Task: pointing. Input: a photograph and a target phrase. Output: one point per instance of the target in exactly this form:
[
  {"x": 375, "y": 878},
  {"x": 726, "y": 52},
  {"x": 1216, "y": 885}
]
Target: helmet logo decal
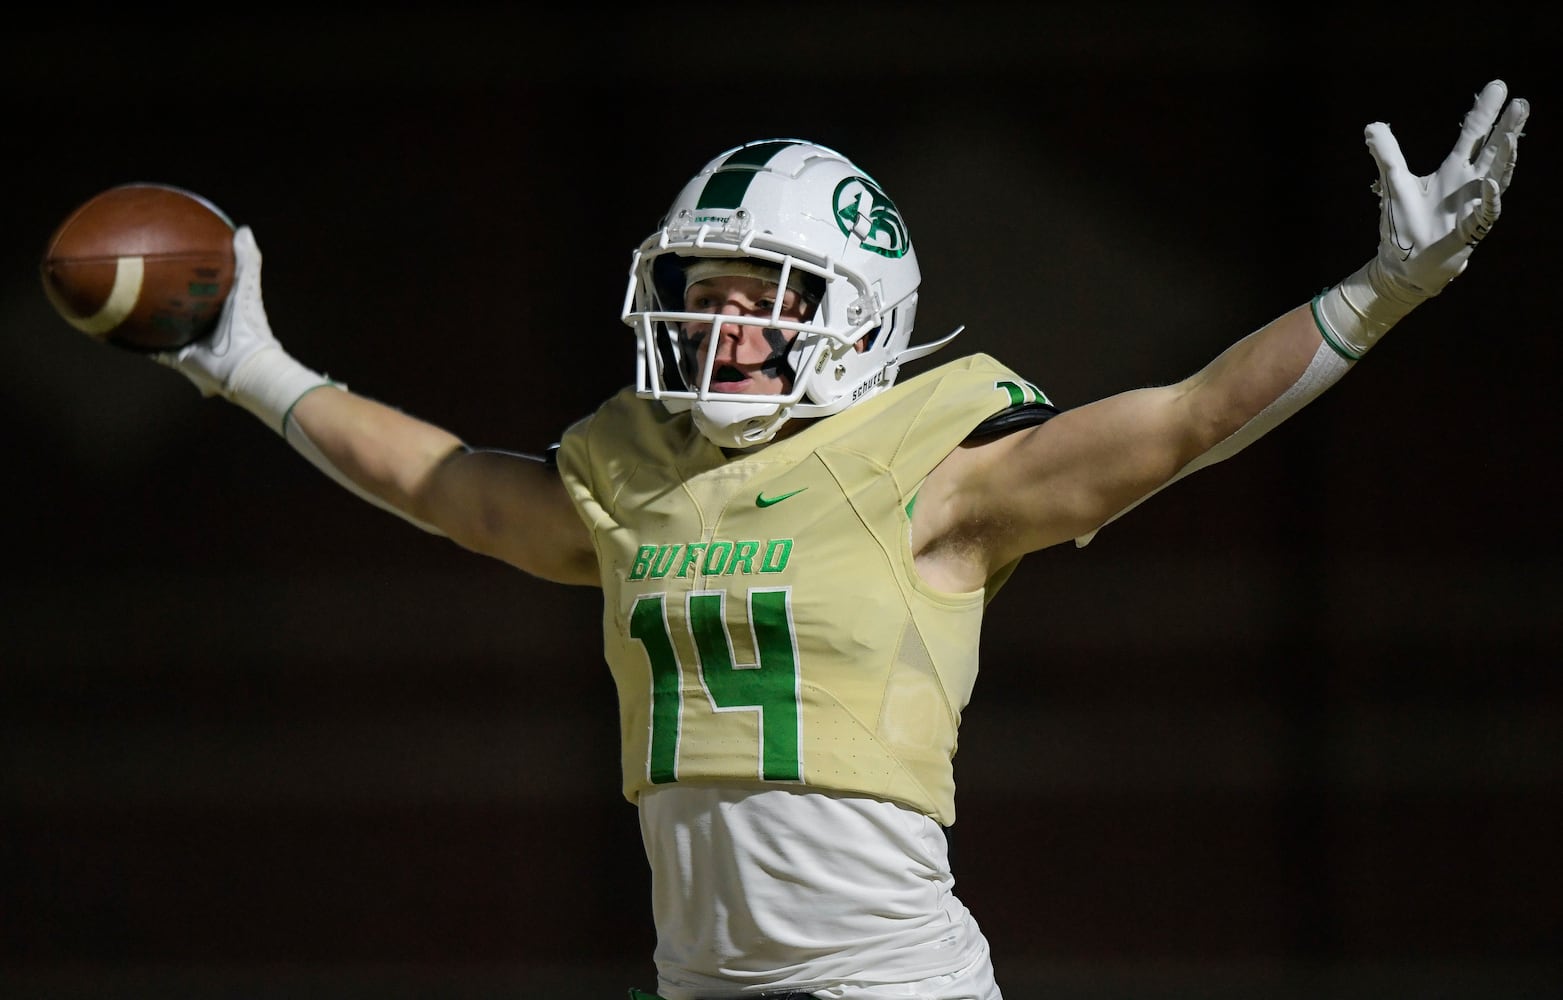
[{"x": 865, "y": 214}]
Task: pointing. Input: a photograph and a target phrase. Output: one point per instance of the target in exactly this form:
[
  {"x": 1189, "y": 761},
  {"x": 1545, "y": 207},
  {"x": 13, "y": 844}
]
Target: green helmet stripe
[{"x": 726, "y": 187}]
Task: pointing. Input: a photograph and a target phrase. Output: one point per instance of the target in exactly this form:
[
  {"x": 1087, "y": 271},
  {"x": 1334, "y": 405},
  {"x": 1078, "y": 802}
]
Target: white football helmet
[{"x": 807, "y": 215}]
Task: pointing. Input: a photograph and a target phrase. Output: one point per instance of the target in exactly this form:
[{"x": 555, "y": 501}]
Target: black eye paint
[{"x": 776, "y": 365}]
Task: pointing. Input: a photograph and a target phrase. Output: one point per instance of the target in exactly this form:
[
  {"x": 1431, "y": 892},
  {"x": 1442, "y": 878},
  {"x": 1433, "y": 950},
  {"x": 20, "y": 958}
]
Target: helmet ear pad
[
  {"x": 667, "y": 280},
  {"x": 667, "y": 277}
]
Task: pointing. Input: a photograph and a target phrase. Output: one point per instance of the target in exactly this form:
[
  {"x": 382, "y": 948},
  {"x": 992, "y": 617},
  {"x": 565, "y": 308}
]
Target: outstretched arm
[
  {"x": 510, "y": 506},
  {"x": 1065, "y": 479}
]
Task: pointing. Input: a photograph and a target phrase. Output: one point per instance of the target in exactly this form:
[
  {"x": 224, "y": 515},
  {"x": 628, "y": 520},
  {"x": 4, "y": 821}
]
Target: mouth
[{"x": 725, "y": 377}]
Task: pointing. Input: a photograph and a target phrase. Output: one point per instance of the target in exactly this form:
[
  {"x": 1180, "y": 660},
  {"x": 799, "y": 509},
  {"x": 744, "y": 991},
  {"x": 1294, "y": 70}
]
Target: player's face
[{"x": 749, "y": 359}]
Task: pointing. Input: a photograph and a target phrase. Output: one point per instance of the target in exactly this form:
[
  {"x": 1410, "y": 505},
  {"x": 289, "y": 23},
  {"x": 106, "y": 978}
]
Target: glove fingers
[
  {"x": 1478, "y": 122},
  {"x": 246, "y": 276},
  {"x": 1385, "y": 149},
  {"x": 1514, "y": 116},
  {"x": 1397, "y": 186},
  {"x": 246, "y": 251},
  {"x": 1505, "y": 154},
  {"x": 1498, "y": 157},
  {"x": 1484, "y": 213}
]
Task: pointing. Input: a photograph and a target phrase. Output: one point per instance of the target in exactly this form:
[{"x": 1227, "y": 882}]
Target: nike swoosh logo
[{"x": 761, "y": 500}]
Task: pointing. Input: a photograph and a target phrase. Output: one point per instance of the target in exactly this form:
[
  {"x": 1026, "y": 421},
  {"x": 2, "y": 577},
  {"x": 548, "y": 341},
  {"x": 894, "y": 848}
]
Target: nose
[{"x": 733, "y": 330}]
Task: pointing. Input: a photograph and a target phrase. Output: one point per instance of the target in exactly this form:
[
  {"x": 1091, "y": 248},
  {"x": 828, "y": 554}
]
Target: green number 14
[{"x": 769, "y": 688}]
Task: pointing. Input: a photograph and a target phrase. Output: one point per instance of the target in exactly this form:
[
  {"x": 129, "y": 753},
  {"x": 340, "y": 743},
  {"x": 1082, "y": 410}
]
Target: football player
[{"x": 795, "y": 547}]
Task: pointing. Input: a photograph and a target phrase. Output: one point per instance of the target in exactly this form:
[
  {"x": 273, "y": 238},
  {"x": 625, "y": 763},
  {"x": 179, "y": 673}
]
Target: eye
[{"x": 795, "y": 305}]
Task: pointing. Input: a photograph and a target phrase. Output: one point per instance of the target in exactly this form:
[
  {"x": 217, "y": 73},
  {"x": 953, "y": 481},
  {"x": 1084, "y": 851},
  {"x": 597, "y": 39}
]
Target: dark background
[{"x": 1290, "y": 730}]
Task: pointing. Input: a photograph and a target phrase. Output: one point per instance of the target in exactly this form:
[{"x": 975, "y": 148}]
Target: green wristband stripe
[
  {"x": 288, "y": 413},
  {"x": 1328, "y": 334}
]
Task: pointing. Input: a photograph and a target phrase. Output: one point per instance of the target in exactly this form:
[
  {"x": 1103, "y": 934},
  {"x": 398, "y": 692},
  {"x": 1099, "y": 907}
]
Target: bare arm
[
  {"x": 993, "y": 501},
  {"x": 509, "y": 506},
  {"x": 512, "y": 507}
]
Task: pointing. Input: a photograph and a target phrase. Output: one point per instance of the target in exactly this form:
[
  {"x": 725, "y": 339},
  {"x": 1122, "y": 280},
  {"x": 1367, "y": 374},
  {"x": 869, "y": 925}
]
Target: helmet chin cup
[
  {"x": 803, "y": 210},
  {"x": 730, "y": 423}
]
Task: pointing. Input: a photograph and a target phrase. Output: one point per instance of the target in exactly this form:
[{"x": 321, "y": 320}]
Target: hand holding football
[{"x": 141, "y": 266}]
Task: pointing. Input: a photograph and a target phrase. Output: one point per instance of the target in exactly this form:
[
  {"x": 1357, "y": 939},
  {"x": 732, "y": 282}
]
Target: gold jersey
[{"x": 763, "y": 619}]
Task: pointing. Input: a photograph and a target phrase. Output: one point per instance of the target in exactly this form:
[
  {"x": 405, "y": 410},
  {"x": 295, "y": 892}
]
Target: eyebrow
[
  {"x": 713, "y": 280},
  {"x": 767, "y": 287}
]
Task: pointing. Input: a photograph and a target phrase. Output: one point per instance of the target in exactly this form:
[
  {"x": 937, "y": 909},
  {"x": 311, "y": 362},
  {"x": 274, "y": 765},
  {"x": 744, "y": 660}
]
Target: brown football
[{"x": 142, "y": 266}]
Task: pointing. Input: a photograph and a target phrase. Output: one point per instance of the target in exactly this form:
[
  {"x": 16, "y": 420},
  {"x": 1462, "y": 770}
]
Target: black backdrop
[{"x": 1291, "y": 729}]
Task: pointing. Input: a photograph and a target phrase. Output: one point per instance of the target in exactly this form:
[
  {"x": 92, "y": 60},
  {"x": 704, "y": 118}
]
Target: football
[{"x": 142, "y": 266}]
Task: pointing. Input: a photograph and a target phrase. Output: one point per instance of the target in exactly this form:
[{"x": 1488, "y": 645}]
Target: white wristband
[
  {"x": 1354, "y": 314},
  {"x": 269, "y": 382}
]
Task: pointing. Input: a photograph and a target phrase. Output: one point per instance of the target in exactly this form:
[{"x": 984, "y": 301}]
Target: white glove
[
  {"x": 1429, "y": 225},
  {"x": 241, "y": 360}
]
